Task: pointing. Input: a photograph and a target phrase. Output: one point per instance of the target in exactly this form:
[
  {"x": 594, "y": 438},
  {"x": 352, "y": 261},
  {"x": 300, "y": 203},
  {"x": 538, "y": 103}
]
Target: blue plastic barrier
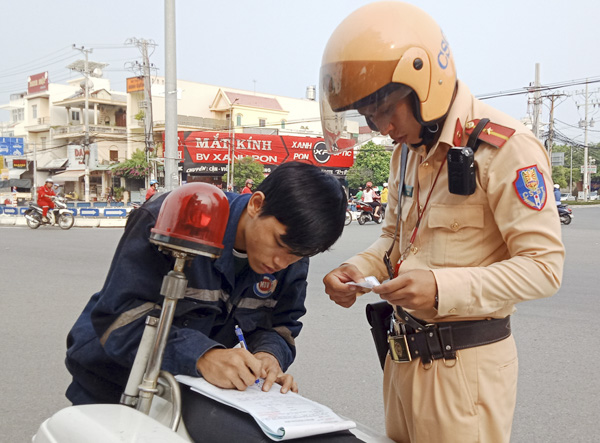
[
  {"x": 10, "y": 210},
  {"x": 115, "y": 212},
  {"x": 84, "y": 205},
  {"x": 89, "y": 212}
]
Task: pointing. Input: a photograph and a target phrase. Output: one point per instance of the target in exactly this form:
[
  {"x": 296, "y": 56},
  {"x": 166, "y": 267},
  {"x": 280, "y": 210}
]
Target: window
[
  {"x": 43, "y": 143},
  {"x": 17, "y": 115},
  {"x": 74, "y": 116},
  {"x": 114, "y": 155},
  {"x": 262, "y": 122},
  {"x": 238, "y": 121},
  {"x": 33, "y": 111},
  {"x": 282, "y": 124}
]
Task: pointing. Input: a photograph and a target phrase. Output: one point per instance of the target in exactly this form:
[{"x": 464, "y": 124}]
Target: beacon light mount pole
[{"x": 191, "y": 222}]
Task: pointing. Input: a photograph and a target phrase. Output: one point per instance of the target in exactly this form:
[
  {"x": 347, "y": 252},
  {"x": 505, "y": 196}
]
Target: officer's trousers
[{"x": 470, "y": 399}]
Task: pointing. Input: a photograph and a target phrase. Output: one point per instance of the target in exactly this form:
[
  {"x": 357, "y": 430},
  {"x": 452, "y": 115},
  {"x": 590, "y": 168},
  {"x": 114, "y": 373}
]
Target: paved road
[{"x": 48, "y": 275}]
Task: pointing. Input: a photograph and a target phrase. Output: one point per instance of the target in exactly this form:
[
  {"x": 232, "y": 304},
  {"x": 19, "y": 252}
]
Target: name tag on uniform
[{"x": 408, "y": 191}]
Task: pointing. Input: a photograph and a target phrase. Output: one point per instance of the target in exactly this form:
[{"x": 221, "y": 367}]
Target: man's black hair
[{"x": 310, "y": 203}]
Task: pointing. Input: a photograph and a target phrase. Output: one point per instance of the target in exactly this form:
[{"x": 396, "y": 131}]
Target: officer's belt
[{"x": 442, "y": 340}]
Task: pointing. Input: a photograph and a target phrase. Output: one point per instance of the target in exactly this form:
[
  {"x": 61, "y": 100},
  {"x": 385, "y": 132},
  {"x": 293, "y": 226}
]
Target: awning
[
  {"x": 57, "y": 163},
  {"x": 68, "y": 176},
  {"x": 6, "y": 185},
  {"x": 16, "y": 173}
]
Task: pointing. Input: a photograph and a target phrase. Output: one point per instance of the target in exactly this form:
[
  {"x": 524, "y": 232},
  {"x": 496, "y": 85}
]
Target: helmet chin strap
[{"x": 429, "y": 133}]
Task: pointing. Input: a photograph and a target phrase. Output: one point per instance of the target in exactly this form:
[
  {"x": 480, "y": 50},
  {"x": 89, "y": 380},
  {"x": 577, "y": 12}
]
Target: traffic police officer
[{"x": 461, "y": 260}]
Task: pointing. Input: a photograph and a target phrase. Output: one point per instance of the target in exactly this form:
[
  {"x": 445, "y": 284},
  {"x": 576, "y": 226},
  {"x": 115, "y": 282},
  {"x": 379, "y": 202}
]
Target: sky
[{"x": 275, "y": 46}]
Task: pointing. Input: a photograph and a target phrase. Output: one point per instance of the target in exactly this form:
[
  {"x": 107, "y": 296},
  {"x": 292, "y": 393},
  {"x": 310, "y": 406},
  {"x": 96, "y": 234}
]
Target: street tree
[
  {"x": 135, "y": 167},
  {"x": 244, "y": 169},
  {"x": 372, "y": 163}
]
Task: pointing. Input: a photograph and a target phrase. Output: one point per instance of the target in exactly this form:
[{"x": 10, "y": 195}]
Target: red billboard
[
  {"x": 37, "y": 83},
  {"x": 208, "y": 153}
]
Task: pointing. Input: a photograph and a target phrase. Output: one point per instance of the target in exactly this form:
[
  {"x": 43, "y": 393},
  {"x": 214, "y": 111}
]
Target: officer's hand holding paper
[
  {"x": 414, "y": 289},
  {"x": 338, "y": 288}
]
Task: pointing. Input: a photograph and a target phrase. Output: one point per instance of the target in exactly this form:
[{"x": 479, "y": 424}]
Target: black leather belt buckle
[{"x": 399, "y": 348}]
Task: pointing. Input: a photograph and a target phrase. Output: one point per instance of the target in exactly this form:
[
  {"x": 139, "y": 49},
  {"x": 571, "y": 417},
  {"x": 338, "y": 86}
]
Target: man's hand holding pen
[{"x": 237, "y": 368}]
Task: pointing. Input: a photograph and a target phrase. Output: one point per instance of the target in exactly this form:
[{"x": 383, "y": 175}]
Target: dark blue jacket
[{"x": 102, "y": 344}]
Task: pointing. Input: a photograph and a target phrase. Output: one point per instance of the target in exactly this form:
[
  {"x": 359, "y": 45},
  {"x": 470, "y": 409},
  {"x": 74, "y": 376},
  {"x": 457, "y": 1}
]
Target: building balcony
[
  {"x": 94, "y": 130},
  {"x": 40, "y": 124}
]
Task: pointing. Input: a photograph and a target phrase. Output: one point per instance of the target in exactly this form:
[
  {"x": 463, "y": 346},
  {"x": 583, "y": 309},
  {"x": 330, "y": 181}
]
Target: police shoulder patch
[
  {"x": 266, "y": 286},
  {"x": 531, "y": 187}
]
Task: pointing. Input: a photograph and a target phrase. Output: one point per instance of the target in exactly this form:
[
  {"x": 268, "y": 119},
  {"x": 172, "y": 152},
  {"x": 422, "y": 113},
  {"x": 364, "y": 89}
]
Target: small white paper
[{"x": 369, "y": 283}]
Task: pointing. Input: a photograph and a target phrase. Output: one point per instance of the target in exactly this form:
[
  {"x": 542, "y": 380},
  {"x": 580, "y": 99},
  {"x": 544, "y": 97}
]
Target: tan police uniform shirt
[{"x": 489, "y": 250}]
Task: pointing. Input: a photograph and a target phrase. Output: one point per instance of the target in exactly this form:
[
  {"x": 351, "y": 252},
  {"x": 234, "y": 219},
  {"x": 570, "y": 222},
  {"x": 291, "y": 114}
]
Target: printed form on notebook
[{"x": 280, "y": 416}]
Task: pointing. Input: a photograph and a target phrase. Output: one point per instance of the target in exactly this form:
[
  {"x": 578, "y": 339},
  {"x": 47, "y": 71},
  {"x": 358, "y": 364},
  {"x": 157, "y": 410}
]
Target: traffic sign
[{"x": 11, "y": 146}]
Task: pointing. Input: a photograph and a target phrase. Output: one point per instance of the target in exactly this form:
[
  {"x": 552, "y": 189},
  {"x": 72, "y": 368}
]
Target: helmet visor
[{"x": 347, "y": 122}]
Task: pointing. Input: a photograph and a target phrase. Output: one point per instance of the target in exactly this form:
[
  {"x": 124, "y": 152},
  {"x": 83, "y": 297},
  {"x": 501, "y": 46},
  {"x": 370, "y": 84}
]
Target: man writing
[
  {"x": 467, "y": 247},
  {"x": 258, "y": 283}
]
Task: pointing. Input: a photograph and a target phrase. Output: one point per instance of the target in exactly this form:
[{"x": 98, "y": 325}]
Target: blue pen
[{"x": 240, "y": 336}]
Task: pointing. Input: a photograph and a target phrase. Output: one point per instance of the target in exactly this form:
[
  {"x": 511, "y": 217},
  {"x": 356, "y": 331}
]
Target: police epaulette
[{"x": 492, "y": 133}]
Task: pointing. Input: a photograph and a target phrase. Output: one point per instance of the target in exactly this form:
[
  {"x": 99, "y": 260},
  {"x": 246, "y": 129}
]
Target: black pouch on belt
[{"x": 379, "y": 315}]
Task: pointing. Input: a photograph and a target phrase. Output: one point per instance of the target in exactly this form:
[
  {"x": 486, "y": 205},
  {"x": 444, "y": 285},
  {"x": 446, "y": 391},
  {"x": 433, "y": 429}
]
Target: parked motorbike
[
  {"x": 366, "y": 213},
  {"x": 60, "y": 215},
  {"x": 565, "y": 213}
]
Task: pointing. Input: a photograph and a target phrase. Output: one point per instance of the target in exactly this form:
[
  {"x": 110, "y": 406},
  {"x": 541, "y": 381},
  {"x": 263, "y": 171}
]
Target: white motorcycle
[{"x": 60, "y": 215}]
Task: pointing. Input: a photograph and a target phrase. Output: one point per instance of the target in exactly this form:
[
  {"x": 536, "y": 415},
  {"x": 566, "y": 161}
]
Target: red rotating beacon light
[{"x": 192, "y": 220}]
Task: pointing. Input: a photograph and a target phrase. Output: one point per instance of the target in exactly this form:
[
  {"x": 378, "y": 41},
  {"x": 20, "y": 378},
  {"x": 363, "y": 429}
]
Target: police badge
[{"x": 530, "y": 187}]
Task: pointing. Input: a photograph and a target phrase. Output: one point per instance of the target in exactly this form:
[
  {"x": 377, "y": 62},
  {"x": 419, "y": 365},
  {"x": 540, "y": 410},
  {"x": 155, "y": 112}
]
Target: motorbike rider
[
  {"x": 248, "y": 187},
  {"x": 45, "y": 198},
  {"x": 151, "y": 190},
  {"x": 458, "y": 261},
  {"x": 371, "y": 197},
  {"x": 384, "y": 196},
  {"x": 557, "y": 194}
]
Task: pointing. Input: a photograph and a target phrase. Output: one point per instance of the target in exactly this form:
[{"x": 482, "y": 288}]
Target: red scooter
[{"x": 367, "y": 213}]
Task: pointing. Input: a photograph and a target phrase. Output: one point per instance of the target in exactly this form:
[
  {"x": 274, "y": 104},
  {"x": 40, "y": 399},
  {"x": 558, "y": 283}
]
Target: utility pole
[
  {"x": 35, "y": 184},
  {"x": 585, "y": 124},
  {"x": 143, "y": 45},
  {"x": 171, "y": 157},
  {"x": 585, "y": 148},
  {"x": 230, "y": 169},
  {"x": 536, "y": 103},
  {"x": 87, "y": 68},
  {"x": 86, "y": 123}
]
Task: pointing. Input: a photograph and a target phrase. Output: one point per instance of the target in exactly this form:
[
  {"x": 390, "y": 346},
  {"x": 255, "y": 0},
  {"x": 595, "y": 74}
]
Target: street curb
[{"x": 80, "y": 222}]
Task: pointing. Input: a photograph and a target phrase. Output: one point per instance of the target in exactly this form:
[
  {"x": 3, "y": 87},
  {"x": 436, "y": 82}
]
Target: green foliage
[
  {"x": 560, "y": 176},
  {"x": 135, "y": 167},
  {"x": 593, "y": 152},
  {"x": 371, "y": 164},
  {"x": 118, "y": 193},
  {"x": 140, "y": 115},
  {"x": 246, "y": 168}
]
